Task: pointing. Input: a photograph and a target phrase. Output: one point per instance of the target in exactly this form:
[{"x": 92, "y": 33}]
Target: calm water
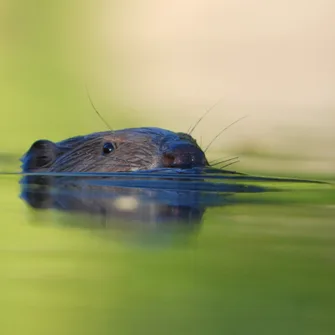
[{"x": 166, "y": 254}]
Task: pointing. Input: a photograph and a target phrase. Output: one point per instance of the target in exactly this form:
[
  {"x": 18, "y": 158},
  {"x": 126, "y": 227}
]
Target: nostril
[
  {"x": 168, "y": 159},
  {"x": 183, "y": 155}
]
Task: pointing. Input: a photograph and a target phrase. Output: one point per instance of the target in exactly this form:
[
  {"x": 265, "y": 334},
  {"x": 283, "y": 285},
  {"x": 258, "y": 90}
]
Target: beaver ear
[{"x": 40, "y": 155}]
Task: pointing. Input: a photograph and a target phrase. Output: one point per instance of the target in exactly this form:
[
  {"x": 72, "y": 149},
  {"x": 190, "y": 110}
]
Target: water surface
[{"x": 166, "y": 254}]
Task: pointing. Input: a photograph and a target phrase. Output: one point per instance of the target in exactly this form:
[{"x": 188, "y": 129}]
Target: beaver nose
[{"x": 184, "y": 156}]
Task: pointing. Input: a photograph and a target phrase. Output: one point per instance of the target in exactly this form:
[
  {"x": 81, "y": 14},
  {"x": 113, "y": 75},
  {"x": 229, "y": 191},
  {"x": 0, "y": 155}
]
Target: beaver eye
[{"x": 108, "y": 148}]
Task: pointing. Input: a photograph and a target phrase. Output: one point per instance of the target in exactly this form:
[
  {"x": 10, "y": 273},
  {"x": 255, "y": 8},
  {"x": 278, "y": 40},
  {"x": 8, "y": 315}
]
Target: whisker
[
  {"x": 224, "y": 161},
  {"x": 224, "y": 166},
  {"x": 216, "y": 160},
  {"x": 190, "y": 131},
  {"x": 212, "y": 141},
  {"x": 99, "y": 115}
]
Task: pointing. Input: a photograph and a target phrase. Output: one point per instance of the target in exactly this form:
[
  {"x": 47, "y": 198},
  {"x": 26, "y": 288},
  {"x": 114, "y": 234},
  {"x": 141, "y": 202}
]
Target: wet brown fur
[{"x": 134, "y": 149}]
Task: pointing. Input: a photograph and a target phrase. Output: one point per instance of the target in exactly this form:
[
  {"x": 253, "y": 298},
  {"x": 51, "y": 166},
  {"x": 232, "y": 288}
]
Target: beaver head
[{"x": 130, "y": 149}]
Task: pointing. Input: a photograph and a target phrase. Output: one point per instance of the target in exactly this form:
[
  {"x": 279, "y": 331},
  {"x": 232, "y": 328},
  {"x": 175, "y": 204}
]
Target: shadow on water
[{"x": 161, "y": 199}]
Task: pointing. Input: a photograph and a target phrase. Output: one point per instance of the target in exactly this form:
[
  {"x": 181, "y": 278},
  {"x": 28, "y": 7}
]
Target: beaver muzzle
[{"x": 184, "y": 156}]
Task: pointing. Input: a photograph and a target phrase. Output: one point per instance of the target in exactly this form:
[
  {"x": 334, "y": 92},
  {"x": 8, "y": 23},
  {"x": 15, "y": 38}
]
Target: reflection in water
[
  {"x": 259, "y": 263},
  {"x": 177, "y": 199}
]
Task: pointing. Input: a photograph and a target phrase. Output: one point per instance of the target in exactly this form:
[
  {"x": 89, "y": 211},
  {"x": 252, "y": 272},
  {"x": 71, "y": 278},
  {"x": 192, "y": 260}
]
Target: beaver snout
[{"x": 184, "y": 156}]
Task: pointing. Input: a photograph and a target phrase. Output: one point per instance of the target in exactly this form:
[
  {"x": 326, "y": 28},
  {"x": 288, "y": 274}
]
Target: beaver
[{"x": 131, "y": 149}]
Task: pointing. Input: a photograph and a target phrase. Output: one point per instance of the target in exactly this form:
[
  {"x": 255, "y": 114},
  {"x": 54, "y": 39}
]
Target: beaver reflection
[
  {"x": 110, "y": 201},
  {"x": 162, "y": 200}
]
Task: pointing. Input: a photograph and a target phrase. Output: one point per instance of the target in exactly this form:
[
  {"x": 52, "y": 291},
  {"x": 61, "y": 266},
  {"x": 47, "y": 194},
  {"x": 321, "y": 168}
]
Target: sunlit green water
[{"x": 263, "y": 265}]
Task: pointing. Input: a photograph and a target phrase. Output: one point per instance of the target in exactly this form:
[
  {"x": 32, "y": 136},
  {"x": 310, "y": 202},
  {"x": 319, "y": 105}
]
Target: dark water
[{"x": 166, "y": 253}]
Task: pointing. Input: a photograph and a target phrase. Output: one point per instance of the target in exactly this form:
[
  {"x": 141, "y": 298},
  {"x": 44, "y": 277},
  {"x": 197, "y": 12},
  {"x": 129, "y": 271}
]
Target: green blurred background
[
  {"x": 43, "y": 58},
  {"x": 163, "y": 64},
  {"x": 265, "y": 268}
]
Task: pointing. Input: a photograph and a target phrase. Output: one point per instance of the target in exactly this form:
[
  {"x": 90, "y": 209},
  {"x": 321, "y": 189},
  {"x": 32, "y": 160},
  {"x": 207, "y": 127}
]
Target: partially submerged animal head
[{"x": 123, "y": 150}]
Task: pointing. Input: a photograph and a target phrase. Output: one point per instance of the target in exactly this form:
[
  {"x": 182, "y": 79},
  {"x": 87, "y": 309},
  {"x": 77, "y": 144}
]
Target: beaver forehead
[{"x": 146, "y": 134}]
